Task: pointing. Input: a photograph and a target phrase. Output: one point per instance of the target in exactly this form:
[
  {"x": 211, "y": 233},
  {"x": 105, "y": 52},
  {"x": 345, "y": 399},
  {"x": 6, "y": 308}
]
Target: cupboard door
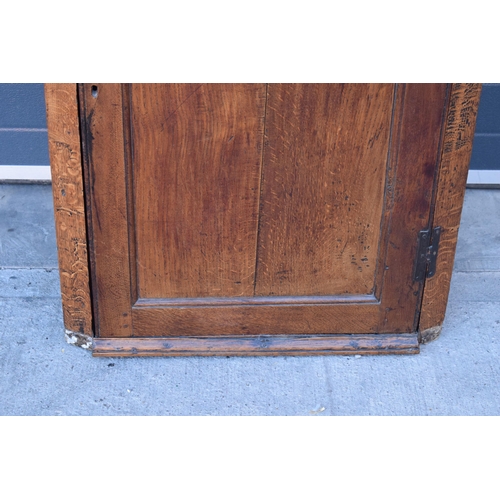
[{"x": 248, "y": 209}]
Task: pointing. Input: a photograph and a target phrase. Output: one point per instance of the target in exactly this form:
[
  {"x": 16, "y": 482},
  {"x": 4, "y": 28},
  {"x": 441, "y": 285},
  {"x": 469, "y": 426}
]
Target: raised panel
[
  {"x": 324, "y": 168},
  {"x": 196, "y": 166}
]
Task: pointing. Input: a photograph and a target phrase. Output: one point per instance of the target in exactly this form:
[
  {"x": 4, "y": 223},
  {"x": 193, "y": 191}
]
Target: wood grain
[
  {"x": 106, "y": 188},
  {"x": 414, "y": 160},
  {"x": 384, "y": 145},
  {"x": 69, "y": 206},
  {"x": 323, "y": 180},
  {"x": 459, "y": 134},
  {"x": 255, "y": 319},
  {"x": 258, "y": 300},
  {"x": 260, "y": 345},
  {"x": 197, "y": 167}
]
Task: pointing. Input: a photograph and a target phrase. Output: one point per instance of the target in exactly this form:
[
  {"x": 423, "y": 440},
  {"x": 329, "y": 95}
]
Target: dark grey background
[
  {"x": 486, "y": 150},
  {"x": 23, "y": 129}
]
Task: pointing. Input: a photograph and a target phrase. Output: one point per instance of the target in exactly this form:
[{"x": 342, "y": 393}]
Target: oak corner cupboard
[{"x": 257, "y": 219}]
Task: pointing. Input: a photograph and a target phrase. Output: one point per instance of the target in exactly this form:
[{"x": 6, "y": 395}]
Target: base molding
[{"x": 259, "y": 345}]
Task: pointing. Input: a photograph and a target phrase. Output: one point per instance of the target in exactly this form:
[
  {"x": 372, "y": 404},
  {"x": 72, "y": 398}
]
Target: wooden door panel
[
  {"x": 105, "y": 168},
  {"x": 325, "y": 160},
  {"x": 255, "y": 319},
  {"x": 196, "y": 167},
  {"x": 412, "y": 167},
  {"x": 315, "y": 233}
]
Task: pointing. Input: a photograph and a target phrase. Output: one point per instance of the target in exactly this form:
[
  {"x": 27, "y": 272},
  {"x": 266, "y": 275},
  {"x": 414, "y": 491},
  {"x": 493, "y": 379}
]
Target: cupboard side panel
[
  {"x": 69, "y": 205},
  {"x": 459, "y": 134},
  {"x": 416, "y": 157}
]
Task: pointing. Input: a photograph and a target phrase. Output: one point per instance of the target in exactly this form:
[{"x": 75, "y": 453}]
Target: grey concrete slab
[
  {"x": 27, "y": 230},
  {"x": 475, "y": 287},
  {"x": 478, "y": 246},
  {"x": 458, "y": 374},
  {"x": 23, "y": 283}
]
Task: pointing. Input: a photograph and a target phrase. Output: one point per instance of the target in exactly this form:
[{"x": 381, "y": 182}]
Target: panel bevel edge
[
  {"x": 390, "y": 180},
  {"x": 69, "y": 206},
  {"x": 460, "y": 124},
  {"x": 293, "y": 300},
  {"x": 128, "y": 144}
]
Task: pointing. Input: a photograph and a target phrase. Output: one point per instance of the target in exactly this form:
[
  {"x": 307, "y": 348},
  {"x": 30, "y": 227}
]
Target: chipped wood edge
[
  {"x": 69, "y": 206},
  {"x": 258, "y": 345},
  {"x": 78, "y": 339},
  {"x": 430, "y": 334},
  {"x": 460, "y": 124}
]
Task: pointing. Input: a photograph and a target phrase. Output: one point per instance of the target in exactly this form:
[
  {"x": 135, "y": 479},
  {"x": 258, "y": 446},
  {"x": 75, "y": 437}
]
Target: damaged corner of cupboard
[{"x": 257, "y": 219}]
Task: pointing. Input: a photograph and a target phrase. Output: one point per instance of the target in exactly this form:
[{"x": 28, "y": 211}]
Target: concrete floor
[{"x": 458, "y": 374}]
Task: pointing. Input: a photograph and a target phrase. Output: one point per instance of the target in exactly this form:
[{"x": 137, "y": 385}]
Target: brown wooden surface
[
  {"x": 107, "y": 206},
  {"x": 414, "y": 161},
  {"x": 69, "y": 207},
  {"x": 324, "y": 167},
  {"x": 393, "y": 191},
  {"x": 457, "y": 148},
  {"x": 255, "y": 319},
  {"x": 259, "y": 345},
  {"x": 197, "y": 167}
]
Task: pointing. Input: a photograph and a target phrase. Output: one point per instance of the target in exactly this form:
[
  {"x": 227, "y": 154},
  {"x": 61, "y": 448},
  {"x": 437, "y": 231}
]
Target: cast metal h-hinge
[{"x": 428, "y": 245}]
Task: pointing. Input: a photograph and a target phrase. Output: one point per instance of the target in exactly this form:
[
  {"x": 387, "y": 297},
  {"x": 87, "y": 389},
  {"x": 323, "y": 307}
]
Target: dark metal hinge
[{"x": 428, "y": 245}]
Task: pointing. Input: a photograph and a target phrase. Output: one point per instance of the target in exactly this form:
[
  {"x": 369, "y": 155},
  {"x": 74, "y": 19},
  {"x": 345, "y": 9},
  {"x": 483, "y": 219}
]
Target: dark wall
[
  {"x": 486, "y": 149},
  {"x": 23, "y": 128},
  {"x": 23, "y": 132}
]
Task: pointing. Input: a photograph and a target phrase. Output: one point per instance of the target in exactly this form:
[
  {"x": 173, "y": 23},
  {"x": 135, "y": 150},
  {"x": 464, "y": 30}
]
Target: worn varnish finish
[
  {"x": 457, "y": 148},
  {"x": 257, "y": 219},
  {"x": 274, "y": 318},
  {"x": 184, "y": 204},
  {"x": 325, "y": 158},
  {"x": 260, "y": 345},
  {"x": 413, "y": 165},
  {"x": 197, "y": 167},
  {"x": 106, "y": 186},
  {"x": 69, "y": 207}
]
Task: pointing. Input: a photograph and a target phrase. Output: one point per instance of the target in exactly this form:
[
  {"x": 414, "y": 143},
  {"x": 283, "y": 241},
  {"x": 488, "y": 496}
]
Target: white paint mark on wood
[{"x": 78, "y": 339}]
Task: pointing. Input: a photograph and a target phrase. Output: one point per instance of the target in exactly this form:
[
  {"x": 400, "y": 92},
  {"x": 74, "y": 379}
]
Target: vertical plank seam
[
  {"x": 387, "y": 169},
  {"x": 394, "y": 160},
  {"x": 259, "y": 207},
  {"x": 129, "y": 190}
]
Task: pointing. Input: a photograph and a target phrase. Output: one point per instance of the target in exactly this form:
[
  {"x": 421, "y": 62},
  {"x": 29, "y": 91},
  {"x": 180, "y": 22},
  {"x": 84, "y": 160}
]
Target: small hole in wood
[{"x": 93, "y": 90}]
